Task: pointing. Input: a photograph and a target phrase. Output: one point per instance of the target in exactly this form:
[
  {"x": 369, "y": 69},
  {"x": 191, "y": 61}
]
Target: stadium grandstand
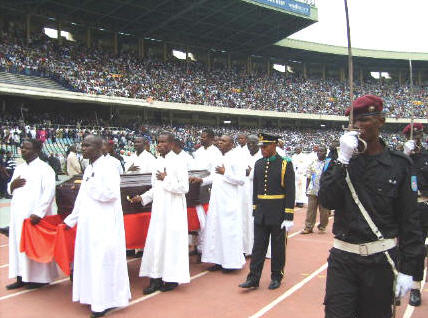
[
  {"x": 122, "y": 69},
  {"x": 203, "y": 64}
]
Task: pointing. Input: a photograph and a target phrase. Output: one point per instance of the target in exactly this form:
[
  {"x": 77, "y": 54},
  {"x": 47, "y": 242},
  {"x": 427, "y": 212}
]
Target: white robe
[
  {"x": 166, "y": 253},
  {"x": 35, "y": 197},
  {"x": 115, "y": 162},
  {"x": 223, "y": 230},
  {"x": 300, "y": 164},
  {"x": 247, "y": 217},
  {"x": 145, "y": 162},
  {"x": 187, "y": 159},
  {"x": 205, "y": 159},
  {"x": 100, "y": 268}
]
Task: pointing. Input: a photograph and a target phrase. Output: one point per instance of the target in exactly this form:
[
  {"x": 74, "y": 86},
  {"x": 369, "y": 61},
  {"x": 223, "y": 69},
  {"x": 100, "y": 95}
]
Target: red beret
[
  {"x": 366, "y": 105},
  {"x": 416, "y": 127}
]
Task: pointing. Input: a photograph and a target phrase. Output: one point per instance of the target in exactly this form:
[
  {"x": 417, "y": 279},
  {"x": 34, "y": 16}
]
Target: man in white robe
[
  {"x": 223, "y": 230},
  {"x": 299, "y": 164},
  {"x": 206, "y": 157},
  {"x": 166, "y": 252},
  {"x": 108, "y": 151},
  {"x": 32, "y": 187},
  {"x": 188, "y": 160},
  {"x": 247, "y": 217},
  {"x": 100, "y": 268},
  {"x": 142, "y": 161}
]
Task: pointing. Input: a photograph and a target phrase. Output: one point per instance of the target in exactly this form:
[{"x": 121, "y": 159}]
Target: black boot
[
  {"x": 155, "y": 284},
  {"x": 251, "y": 282},
  {"x": 168, "y": 286},
  {"x": 18, "y": 284},
  {"x": 415, "y": 297},
  {"x": 274, "y": 284}
]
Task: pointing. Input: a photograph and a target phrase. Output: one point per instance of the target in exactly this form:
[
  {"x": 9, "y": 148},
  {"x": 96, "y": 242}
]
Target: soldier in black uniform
[
  {"x": 359, "y": 275},
  {"x": 273, "y": 208},
  {"x": 419, "y": 155}
]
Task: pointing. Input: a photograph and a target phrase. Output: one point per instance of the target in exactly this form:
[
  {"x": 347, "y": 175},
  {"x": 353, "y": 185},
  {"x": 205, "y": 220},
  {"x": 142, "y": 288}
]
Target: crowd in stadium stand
[{"x": 98, "y": 72}]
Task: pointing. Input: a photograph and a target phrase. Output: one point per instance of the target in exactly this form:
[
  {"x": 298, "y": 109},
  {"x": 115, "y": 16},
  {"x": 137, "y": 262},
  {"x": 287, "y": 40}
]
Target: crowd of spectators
[{"x": 95, "y": 71}]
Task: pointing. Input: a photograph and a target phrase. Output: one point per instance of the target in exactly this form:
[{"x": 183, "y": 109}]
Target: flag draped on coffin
[{"x": 51, "y": 240}]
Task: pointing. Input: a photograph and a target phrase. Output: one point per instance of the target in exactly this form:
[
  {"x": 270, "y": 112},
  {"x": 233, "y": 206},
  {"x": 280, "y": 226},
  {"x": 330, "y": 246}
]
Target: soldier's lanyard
[{"x": 375, "y": 231}]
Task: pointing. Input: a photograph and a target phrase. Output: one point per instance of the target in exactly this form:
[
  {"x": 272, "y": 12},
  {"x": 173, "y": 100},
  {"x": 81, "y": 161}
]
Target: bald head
[
  {"x": 225, "y": 143},
  {"x": 91, "y": 147}
]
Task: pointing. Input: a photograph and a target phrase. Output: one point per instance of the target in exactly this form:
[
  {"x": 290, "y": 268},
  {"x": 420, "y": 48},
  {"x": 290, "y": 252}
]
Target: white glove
[
  {"x": 404, "y": 284},
  {"x": 409, "y": 146},
  {"x": 287, "y": 225},
  {"x": 348, "y": 144}
]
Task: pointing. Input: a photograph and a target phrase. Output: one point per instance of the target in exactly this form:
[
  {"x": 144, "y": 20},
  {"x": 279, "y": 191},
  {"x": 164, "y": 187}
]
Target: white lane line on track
[
  {"x": 4, "y": 245},
  {"x": 410, "y": 309},
  {"x": 289, "y": 292},
  {"x": 143, "y": 298},
  {"x": 53, "y": 283},
  {"x": 4, "y": 265}
]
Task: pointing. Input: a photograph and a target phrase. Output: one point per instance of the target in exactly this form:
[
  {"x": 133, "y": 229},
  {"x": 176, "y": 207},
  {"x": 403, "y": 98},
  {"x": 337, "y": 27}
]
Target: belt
[
  {"x": 270, "y": 196},
  {"x": 366, "y": 249}
]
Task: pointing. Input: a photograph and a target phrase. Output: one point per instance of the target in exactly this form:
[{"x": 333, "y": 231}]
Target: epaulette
[
  {"x": 286, "y": 159},
  {"x": 402, "y": 155}
]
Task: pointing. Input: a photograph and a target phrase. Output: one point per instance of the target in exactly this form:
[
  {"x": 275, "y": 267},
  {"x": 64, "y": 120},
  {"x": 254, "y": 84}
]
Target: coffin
[{"x": 130, "y": 185}]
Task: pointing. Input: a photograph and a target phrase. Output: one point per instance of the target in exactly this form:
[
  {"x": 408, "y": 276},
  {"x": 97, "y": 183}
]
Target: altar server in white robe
[
  {"x": 166, "y": 252},
  {"x": 33, "y": 189},
  {"x": 188, "y": 160},
  {"x": 223, "y": 231},
  {"x": 206, "y": 157},
  {"x": 247, "y": 217},
  {"x": 142, "y": 161},
  {"x": 100, "y": 268},
  {"x": 299, "y": 163},
  {"x": 107, "y": 149}
]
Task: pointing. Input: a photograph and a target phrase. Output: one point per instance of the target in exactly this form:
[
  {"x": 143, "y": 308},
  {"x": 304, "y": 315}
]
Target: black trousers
[
  {"x": 261, "y": 244},
  {"x": 358, "y": 286},
  {"x": 419, "y": 276},
  {"x": 423, "y": 214}
]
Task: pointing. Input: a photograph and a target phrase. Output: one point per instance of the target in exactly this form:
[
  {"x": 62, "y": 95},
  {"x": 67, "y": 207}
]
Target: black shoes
[
  {"x": 35, "y": 285},
  {"x": 168, "y": 286},
  {"x": 96, "y": 314},
  {"x": 415, "y": 297},
  {"x": 215, "y": 268},
  {"x": 155, "y": 285},
  {"x": 274, "y": 284},
  {"x": 18, "y": 284},
  {"x": 249, "y": 283},
  {"x": 4, "y": 231}
]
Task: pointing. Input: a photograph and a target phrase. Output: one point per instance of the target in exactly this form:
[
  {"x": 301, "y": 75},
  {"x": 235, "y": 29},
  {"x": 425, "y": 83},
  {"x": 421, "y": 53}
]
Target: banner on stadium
[{"x": 288, "y": 5}]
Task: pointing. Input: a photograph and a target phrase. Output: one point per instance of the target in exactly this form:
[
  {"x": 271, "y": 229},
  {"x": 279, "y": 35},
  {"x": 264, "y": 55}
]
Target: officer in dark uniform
[
  {"x": 419, "y": 155},
  {"x": 359, "y": 275},
  {"x": 273, "y": 208}
]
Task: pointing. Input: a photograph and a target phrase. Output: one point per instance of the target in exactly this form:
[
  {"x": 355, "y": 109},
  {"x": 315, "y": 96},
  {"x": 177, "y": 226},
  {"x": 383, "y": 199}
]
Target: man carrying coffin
[
  {"x": 222, "y": 238},
  {"x": 142, "y": 161},
  {"x": 100, "y": 270},
  {"x": 165, "y": 259},
  {"x": 273, "y": 211},
  {"x": 33, "y": 190}
]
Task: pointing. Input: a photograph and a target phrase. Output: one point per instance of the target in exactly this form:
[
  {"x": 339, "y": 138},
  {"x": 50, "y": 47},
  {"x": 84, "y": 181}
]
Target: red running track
[{"x": 208, "y": 294}]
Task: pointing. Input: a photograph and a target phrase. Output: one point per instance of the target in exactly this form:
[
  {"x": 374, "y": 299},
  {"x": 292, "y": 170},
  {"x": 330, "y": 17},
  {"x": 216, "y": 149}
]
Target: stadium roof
[
  {"x": 323, "y": 53},
  {"x": 231, "y": 25}
]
